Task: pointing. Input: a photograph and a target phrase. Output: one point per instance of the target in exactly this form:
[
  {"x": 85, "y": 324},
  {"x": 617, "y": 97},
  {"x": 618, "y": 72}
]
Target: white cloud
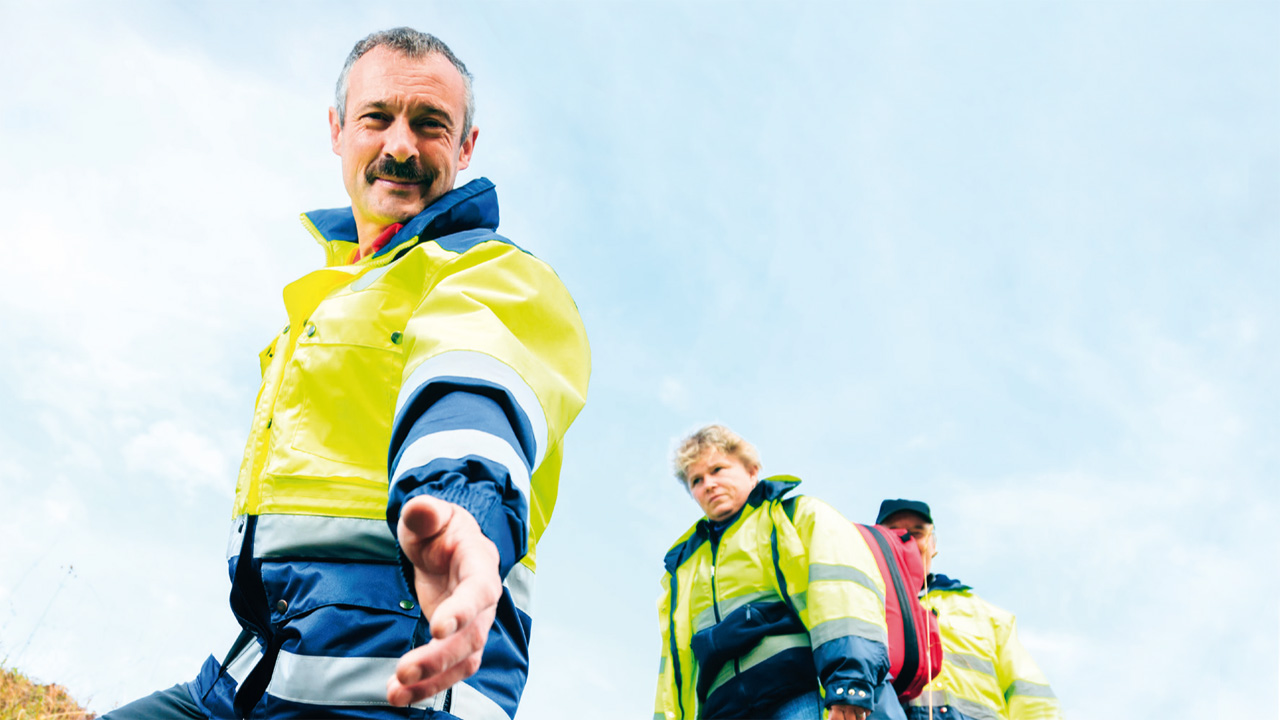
[
  {"x": 672, "y": 394},
  {"x": 186, "y": 459}
]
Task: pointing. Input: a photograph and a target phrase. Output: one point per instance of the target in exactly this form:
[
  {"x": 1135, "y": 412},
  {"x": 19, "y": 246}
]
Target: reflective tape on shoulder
[
  {"x": 369, "y": 277},
  {"x": 519, "y": 583},
  {"x": 319, "y": 536},
  {"x": 848, "y": 573},
  {"x": 970, "y": 662},
  {"x": 974, "y": 710},
  {"x": 847, "y": 627},
  {"x": 468, "y": 363},
  {"x": 471, "y": 704},
  {"x": 1026, "y": 688},
  {"x": 457, "y": 444}
]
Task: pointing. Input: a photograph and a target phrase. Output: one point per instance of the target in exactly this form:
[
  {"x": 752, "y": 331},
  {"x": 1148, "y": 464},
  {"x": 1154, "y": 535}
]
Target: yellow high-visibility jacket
[
  {"x": 986, "y": 673},
  {"x": 781, "y": 600},
  {"x": 449, "y": 363}
]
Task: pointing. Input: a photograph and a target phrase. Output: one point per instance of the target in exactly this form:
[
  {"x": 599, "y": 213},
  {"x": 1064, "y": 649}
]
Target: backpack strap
[{"x": 910, "y": 641}]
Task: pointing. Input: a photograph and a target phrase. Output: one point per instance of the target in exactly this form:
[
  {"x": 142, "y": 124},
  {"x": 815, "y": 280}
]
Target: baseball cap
[{"x": 889, "y": 507}]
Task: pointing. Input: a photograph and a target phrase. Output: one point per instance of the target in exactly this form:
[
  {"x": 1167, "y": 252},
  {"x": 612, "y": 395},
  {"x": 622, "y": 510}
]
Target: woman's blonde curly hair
[{"x": 714, "y": 437}]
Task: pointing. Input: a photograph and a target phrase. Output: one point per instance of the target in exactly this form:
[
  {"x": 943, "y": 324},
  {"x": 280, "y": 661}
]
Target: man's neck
[{"x": 371, "y": 245}]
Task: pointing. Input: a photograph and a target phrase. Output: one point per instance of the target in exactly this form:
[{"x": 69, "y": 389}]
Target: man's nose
[{"x": 399, "y": 142}]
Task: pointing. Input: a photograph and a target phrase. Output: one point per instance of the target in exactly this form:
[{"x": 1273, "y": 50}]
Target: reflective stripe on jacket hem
[
  {"x": 317, "y": 536},
  {"x": 771, "y": 645},
  {"x": 939, "y": 698},
  {"x": 471, "y": 704}
]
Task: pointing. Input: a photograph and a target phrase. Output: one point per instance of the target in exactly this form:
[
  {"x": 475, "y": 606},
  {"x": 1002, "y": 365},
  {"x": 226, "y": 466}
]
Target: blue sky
[{"x": 1016, "y": 259}]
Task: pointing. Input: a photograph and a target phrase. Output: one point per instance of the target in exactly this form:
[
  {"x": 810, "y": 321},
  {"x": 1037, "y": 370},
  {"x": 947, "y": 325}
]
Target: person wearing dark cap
[{"x": 986, "y": 673}]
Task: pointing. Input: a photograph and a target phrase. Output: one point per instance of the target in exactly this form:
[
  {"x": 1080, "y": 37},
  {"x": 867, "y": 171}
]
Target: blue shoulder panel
[
  {"x": 470, "y": 207},
  {"x": 335, "y": 224}
]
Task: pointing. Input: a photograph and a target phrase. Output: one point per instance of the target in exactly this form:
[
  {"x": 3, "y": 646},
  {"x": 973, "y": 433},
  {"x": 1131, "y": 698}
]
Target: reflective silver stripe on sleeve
[
  {"x": 243, "y": 664},
  {"x": 471, "y": 704},
  {"x": 974, "y": 710},
  {"x": 519, "y": 583},
  {"x": 662, "y": 664},
  {"x": 456, "y": 444},
  {"x": 341, "y": 681},
  {"x": 1026, "y": 688},
  {"x": 768, "y": 647},
  {"x": 821, "y": 571},
  {"x": 468, "y": 363},
  {"x": 707, "y": 617},
  {"x": 845, "y": 627},
  {"x": 319, "y": 536},
  {"x": 970, "y": 662}
]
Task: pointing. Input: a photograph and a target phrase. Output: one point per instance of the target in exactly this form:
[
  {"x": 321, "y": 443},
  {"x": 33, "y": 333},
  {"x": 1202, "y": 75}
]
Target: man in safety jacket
[
  {"x": 986, "y": 673},
  {"x": 406, "y": 442},
  {"x": 772, "y": 607}
]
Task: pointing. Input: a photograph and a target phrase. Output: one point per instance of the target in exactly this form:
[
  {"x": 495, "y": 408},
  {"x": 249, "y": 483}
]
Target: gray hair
[{"x": 416, "y": 45}]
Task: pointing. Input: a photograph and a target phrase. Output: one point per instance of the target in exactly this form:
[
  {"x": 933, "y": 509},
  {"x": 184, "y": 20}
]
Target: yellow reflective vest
[
  {"x": 781, "y": 600},
  {"x": 451, "y": 363},
  {"x": 986, "y": 673}
]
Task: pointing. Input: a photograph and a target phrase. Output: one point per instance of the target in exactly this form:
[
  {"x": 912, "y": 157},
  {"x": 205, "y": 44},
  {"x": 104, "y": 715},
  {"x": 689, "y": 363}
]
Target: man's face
[
  {"x": 720, "y": 483},
  {"x": 401, "y": 144},
  {"x": 921, "y": 530}
]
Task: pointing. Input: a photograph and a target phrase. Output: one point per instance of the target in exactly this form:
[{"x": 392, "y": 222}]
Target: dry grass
[{"x": 21, "y": 699}]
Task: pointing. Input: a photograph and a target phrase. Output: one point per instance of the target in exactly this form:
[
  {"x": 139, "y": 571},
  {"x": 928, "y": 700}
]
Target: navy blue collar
[
  {"x": 772, "y": 488},
  {"x": 942, "y": 582},
  {"x": 470, "y": 207}
]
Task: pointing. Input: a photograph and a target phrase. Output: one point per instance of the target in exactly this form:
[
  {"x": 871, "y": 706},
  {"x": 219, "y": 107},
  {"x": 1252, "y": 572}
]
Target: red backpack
[{"x": 912, "y": 660}]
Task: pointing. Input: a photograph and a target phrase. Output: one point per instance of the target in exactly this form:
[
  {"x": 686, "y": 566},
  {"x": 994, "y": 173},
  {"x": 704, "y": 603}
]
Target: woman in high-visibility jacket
[{"x": 772, "y": 607}]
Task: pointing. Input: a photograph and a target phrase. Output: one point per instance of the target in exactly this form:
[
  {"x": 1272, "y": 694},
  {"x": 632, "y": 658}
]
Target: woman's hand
[{"x": 849, "y": 712}]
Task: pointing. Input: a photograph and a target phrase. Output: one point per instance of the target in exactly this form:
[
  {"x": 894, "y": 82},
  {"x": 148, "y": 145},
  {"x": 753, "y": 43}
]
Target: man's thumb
[{"x": 422, "y": 518}]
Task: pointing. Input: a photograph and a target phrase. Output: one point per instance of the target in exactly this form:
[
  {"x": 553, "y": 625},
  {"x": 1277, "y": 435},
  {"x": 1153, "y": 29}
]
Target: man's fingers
[
  {"x": 475, "y": 595},
  {"x": 439, "y": 656},
  {"x": 400, "y": 694},
  {"x": 435, "y": 666}
]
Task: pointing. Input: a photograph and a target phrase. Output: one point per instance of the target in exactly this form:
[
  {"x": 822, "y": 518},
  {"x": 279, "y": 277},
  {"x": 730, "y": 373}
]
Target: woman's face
[{"x": 720, "y": 483}]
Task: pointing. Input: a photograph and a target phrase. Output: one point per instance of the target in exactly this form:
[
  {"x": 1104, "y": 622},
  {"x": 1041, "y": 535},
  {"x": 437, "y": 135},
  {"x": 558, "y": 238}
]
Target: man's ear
[
  {"x": 335, "y": 129},
  {"x": 468, "y": 146}
]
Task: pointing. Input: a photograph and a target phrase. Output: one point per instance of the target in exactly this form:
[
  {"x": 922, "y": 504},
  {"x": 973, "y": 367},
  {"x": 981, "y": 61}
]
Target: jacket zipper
[{"x": 715, "y": 603}]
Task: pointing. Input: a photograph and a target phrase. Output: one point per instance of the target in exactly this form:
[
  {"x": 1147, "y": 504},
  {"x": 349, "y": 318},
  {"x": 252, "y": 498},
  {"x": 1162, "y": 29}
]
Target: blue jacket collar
[
  {"x": 942, "y": 582},
  {"x": 470, "y": 207},
  {"x": 772, "y": 488}
]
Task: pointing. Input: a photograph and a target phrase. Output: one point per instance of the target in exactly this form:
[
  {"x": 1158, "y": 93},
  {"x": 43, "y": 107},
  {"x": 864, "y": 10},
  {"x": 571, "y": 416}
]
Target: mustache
[{"x": 408, "y": 171}]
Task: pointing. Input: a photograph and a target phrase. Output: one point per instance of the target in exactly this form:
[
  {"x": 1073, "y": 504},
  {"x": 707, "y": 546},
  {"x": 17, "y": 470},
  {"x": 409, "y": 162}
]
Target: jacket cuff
[{"x": 849, "y": 693}]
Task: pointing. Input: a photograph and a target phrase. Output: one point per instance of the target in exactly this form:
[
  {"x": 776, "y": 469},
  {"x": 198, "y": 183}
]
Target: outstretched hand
[{"x": 455, "y": 574}]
